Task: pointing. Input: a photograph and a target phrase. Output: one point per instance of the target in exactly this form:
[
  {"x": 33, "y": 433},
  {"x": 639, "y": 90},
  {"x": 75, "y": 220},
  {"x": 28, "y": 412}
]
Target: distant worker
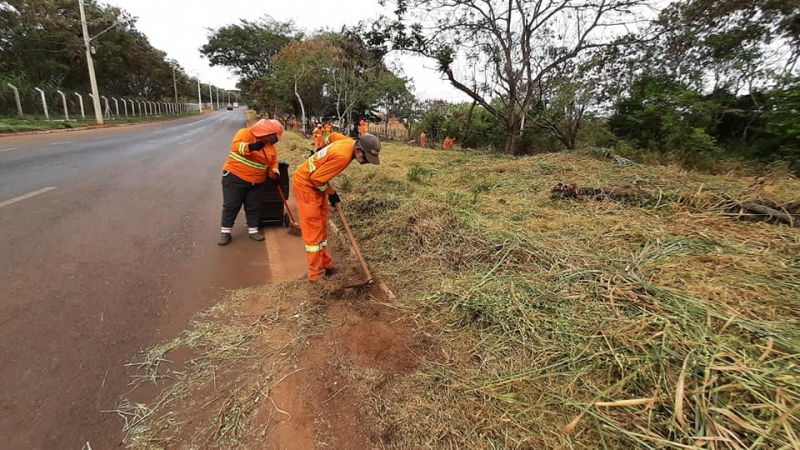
[
  {"x": 318, "y": 139},
  {"x": 328, "y": 128},
  {"x": 423, "y": 139},
  {"x": 363, "y": 127},
  {"x": 251, "y": 160},
  {"x": 313, "y": 193},
  {"x": 448, "y": 143},
  {"x": 354, "y": 131}
]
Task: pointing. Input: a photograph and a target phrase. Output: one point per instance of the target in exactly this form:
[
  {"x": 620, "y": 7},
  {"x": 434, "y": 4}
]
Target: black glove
[
  {"x": 256, "y": 146},
  {"x": 276, "y": 180},
  {"x": 334, "y": 199}
]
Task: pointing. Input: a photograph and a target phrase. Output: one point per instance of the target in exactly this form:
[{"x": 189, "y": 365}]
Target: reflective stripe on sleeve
[{"x": 242, "y": 147}]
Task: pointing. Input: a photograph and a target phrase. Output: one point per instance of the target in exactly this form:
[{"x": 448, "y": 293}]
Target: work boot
[
  {"x": 257, "y": 236},
  {"x": 331, "y": 271},
  {"x": 225, "y": 239}
]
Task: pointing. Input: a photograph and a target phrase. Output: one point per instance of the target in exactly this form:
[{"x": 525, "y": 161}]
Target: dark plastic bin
[{"x": 272, "y": 211}]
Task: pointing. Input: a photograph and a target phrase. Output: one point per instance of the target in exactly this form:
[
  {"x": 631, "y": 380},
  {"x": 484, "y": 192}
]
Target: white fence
[{"x": 54, "y": 104}]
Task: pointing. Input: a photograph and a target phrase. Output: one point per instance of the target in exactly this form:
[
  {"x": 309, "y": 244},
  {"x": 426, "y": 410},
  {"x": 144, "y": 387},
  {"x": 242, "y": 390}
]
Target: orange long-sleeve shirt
[
  {"x": 317, "y": 134},
  {"x": 247, "y": 165},
  {"x": 315, "y": 172}
]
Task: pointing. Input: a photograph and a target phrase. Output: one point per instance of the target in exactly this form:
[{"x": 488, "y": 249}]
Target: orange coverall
[
  {"x": 448, "y": 143},
  {"x": 311, "y": 190},
  {"x": 423, "y": 140},
  {"x": 328, "y": 129},
  {"x": 363, "y": 127},
  {"x": 247, "y": 165},
  {"x": 318, "y": 142}
]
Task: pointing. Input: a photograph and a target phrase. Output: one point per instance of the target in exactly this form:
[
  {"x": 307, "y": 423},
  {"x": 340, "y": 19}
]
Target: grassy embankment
[{"x": 659, "y": 321}]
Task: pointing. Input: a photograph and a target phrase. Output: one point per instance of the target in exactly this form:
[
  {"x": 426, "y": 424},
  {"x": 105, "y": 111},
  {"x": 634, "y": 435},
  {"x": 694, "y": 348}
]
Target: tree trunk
[
  {"x": 465, "y": 134},
  {"x": 513, "y": 127},
  {"x": 302, "y": 108}
]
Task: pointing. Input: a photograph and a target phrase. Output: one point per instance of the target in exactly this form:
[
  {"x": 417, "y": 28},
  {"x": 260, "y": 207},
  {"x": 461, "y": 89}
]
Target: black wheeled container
[{"x": 272, "y": 210}]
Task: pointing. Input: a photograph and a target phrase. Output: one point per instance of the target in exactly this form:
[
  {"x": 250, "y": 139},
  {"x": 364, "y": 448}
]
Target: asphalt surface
[{"x": 107, "y": 246}]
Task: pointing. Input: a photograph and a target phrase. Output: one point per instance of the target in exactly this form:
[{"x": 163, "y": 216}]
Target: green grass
[{"x": 16, "y": 125}]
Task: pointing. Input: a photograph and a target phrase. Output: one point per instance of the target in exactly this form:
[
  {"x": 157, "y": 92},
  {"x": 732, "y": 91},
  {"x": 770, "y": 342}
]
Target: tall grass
[{"x": 583, "y": 324}]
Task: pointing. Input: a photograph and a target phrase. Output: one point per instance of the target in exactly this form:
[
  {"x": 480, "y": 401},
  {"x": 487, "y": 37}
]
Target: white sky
[{"x": 179, "y": 27}]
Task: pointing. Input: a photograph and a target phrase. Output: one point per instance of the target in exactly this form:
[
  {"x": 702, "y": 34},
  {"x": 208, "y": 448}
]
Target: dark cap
[{"x": 371, "y": 147}]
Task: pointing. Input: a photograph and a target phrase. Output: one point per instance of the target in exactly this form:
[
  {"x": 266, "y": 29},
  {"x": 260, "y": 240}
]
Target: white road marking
[
  {"x": 183, "y": 142},
  {"x": 7, "y": 149},
  {"x": 25, "y": 196},
  {"x": 59, "y": 143}
]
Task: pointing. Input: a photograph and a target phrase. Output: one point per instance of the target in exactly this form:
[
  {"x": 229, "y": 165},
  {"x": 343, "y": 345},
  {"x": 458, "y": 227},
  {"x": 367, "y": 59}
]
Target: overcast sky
[{"x": 179, "y": 27}]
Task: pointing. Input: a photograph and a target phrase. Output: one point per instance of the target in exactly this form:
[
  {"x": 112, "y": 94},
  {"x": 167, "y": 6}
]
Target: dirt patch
[{"x": 289, "y": 366}]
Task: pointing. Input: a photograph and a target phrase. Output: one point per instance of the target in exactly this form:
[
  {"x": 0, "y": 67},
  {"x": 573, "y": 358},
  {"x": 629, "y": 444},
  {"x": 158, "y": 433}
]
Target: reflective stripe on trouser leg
[{"x": 312, "y": 208}]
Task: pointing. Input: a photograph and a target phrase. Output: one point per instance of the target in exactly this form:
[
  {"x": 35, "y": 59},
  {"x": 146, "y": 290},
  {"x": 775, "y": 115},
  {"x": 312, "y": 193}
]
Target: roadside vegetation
[
  {"x": 657, "y": 317},
  {"x": 8, "y": 125}
]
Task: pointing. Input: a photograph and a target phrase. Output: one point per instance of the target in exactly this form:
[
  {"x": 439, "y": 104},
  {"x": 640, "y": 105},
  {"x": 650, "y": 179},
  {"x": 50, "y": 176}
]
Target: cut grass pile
[
  {"x": 236, "y": 359},
  {"x": 583, "y": 324}
]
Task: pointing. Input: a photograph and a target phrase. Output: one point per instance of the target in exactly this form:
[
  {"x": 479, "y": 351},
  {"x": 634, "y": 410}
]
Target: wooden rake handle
[{"x": 354, "y": 244}]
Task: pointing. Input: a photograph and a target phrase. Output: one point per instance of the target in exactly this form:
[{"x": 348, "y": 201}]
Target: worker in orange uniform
[
  {"x": 252, "y": 159},
  {"x": 448, "y": 143},
  {"x": 328, "y": 129},
  {"x": 313, "y": 193},
  {"x": 318, "y": 134},
  {"x": 363, "y": 127},
  {"x": 423, "y": 139}
]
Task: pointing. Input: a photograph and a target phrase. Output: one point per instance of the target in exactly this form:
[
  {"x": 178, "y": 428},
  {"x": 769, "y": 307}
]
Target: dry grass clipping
[{"x": 582, "y": 324}]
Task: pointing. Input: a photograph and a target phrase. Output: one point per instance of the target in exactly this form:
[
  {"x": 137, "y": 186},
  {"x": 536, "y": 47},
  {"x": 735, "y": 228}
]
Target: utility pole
[
  {"x": 175, "y": 85},
  {"x": 210, "y": 96},
  {"x": 217, "y": 97},
  {"x": 98, "y": 114},
  {"x": 199, "y": 98}
]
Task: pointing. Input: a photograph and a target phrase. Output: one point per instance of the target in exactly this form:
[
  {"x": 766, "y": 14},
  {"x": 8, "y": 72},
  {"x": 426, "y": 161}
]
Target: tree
[
  {"x": 353, "y": 73},
  {"x": 519, "y": 42},
  {"x": 734, "y": 46},
  {"x": 41, "y": 44},
  {"x": 247, "y": 48},
  {"x": 305, "y": 66}
]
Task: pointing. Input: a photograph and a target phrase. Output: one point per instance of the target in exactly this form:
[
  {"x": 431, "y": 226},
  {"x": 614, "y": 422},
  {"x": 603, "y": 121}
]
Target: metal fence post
[
  {"x": 83, "y": 114},
  {"x": 44, "y": 104},
  {"x": 116, "y": 106},
  {"x": 64, "y": 99},
  {"x": 125, "y": 106},
  {"x": 16, "y": 98},
  {"x": 107, "y": 109}
]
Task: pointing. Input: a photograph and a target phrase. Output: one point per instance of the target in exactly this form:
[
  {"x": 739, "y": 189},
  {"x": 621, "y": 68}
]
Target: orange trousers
[{"x": 312, "y": 207}]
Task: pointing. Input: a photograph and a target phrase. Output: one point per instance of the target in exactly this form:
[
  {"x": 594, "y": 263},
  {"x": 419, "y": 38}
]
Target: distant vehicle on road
[
  {"x": 230, "y": 107},
  {"x": 235, "y": 104}
]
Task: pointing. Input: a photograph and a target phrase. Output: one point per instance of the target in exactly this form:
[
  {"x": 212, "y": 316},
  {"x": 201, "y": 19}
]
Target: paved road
[{"x": 108, "y": 245}]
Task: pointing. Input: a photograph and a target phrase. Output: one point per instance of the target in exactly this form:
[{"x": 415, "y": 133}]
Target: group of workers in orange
[
  {"x": 446, "y": 145},
  {"x": 253, "y": 158}
]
